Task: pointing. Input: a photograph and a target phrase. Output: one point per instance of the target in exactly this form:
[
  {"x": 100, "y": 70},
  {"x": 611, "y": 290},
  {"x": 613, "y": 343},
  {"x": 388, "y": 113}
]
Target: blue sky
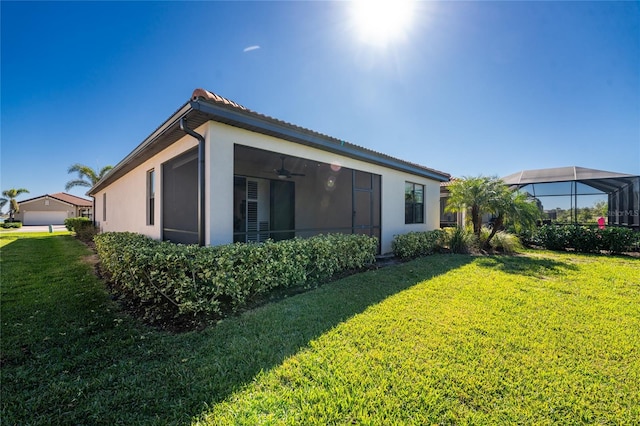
[{"x": 468, "y": 88}]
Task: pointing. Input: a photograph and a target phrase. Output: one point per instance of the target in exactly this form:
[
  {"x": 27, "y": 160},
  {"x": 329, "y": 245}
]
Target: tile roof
[
  {"x": 202, "y": 94},
  {"x": 449, "y": 182},
  {"x": 206, "y": 106},
  {"x": 64, "y": 197},
  {"x": 72, "y": 199},
  {"x": 209, "y": 96}
]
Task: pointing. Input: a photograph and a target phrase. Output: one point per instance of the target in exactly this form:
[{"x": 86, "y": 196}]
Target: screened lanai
[{"x": 583, "y": 196}]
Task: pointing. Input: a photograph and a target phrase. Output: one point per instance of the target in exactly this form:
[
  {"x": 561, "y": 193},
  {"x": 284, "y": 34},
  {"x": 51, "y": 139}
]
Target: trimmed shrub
[
  {"x": 86, "y": 232},
  {"x": 552, "y": 237},
  {"x": 73, "y": 223},
  {"x": 619, "y": 240},
  {"x": 586, "y": 239},
  {"x": 187, "y": 280},
  {"x": 416, "y": 244},
  {"x": 11, "y": 225},
  {"x": 83, "y": 227}
]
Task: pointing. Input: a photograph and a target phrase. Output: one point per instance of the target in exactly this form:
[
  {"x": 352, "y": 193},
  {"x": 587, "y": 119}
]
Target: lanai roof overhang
[
  {"x": 601, "y": 180},
  {"x": 206, "y": 106}
]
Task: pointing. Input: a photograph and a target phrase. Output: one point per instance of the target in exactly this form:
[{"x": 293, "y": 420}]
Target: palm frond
[
  {"x": 76, "y": 182},
  {"x": 86, "y": 175},
  {"x": 13, "y": 193}
]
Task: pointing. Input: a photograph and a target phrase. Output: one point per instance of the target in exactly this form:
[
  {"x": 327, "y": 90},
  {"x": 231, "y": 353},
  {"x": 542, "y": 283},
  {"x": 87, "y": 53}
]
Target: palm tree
[
  {"x": 86, "y": 175},
  {"x": 9, "y": 196},
  {"x": 513, "y": 207},
  {"x": 474, "y": 194},
  {"x": 482, "y": 195}
]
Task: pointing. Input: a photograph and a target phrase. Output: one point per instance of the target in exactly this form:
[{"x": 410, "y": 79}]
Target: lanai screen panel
[
  {"x": 180, "y": 199},
  {"x": 580, "y": 195},
  {"x": 624, "y": 205},
  {"x": 300, "y": 197}
]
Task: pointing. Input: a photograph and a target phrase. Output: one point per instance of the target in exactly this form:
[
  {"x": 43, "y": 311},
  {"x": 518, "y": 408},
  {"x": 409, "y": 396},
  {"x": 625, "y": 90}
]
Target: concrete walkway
[{"x": 37, "y": 228}]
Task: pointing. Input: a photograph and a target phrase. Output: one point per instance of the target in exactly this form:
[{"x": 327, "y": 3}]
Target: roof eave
[
  {"x": 141, "y": 152},
  {"x": 30, "y": 200},
  {"x": 258, "y": 123},
  {"x": 246, "y": 119}
]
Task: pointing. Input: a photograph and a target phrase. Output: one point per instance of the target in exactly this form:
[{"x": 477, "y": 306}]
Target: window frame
[
  {"x": 104, "y": 206},
  {"x": 151, "y": 197},
  {"x": 413, "y": 215}
]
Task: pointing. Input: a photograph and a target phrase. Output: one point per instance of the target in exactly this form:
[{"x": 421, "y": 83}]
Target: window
[
  {"x": 104, "y": 207},
  {"x": 413, "y": 203},
  {"x": 151, "y": 197}
]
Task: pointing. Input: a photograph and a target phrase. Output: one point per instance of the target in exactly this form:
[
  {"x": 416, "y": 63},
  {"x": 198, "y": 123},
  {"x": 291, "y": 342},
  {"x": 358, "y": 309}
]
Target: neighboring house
[
  {"x": 53, "y": 209},
  {"x": 216, "y": 172}
]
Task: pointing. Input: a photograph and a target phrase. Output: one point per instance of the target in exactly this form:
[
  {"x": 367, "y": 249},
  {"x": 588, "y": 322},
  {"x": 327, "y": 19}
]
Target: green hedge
[
  {"x": 585, "y": 239},
  {"x": 416, "y": 244},
  {"x": 74, "y": 223},
  {"x": 11, "y": 225},
  {"x": 181, "y": 280},
  {"x": 83, "y": 227}
]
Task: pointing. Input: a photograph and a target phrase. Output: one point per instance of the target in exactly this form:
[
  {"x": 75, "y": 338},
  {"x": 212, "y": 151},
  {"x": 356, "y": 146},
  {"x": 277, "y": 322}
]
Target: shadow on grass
[
  {"x": 525, "y": 265},
  {"x": 111, "y": 369}
]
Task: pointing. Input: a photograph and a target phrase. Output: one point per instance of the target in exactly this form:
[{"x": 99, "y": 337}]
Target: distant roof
[
  {"x": 599, "y": 179},
  {"x": 64, "y": 197},
  {"x": 449, "y": 182},
  {"x": 207, "y": 106}
]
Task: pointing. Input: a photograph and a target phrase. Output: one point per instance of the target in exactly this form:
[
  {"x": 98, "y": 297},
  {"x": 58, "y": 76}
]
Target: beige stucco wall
[
  {"x": 220, "y": 174},
  {"x": 45, "y": 204},
  {"x": 126, "y": 198}
]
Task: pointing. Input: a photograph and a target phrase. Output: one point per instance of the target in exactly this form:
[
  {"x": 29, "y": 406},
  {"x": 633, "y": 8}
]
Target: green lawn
[{"x": 542, "y": 338}]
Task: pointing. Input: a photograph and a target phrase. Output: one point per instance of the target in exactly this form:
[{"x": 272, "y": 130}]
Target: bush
[
  {"x": 86, "y": 232},
  {"x": 73, "y": 223},
  {"x": 483, "y": 237},
  {"x": 180, "y": 280},
  {"x": 586, "y": 239},
  {"x": 83, "y": 227},
  {"x": 459, "y": 240},
  {"x": 505, "y": 242},
  {"x": 619, "y": 240},
  {"x": 552, "y": 237},
  {"x": 416, "y": 244},
  {"x": 11, "y": 225}
]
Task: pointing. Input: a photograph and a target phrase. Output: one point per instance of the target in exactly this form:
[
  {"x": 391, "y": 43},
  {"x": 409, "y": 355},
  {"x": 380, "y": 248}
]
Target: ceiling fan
[{"x": 284, "y": 173}]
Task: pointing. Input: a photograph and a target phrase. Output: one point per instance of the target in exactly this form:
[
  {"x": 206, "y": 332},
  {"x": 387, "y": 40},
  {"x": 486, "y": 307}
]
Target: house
[
  {"x": 216, "y": 172},
  {"x": 53, "y": 209}
]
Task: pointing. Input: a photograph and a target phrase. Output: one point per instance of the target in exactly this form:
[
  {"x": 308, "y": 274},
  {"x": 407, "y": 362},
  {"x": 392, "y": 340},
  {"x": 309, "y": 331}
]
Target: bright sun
[{"x": 381, "y": 22}]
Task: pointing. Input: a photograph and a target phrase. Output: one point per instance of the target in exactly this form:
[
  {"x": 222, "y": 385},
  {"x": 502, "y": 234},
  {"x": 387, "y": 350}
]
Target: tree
[
  {"x": 9, "y": 196},
  {"x": 86, "y": 175},
  {"x": 489, "y": 195},
  {"x": 601, "y": 208},
  {"x": 515, "y": 208},
  {"x": 475, "y": 195}
]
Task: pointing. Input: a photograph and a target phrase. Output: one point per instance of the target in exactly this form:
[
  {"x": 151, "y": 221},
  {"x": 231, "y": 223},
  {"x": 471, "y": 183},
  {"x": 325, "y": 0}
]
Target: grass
[{"x": 543, "y": 338}]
